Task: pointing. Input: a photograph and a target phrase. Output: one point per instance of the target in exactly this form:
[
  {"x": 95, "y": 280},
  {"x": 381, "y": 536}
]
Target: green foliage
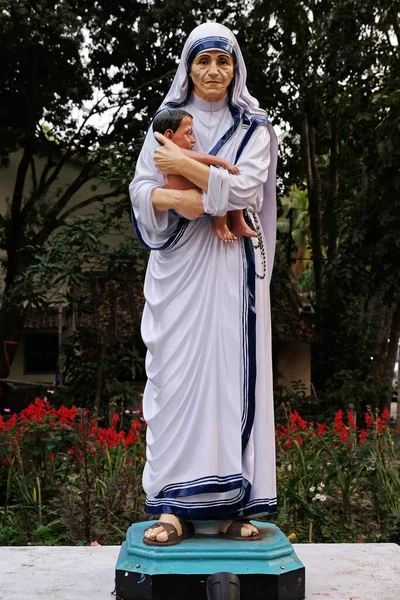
[
  {"x": 331, "y": 76},
  {"x": 337, "y": 483},
  {"x": 296, "y": 220},
  {"x": 12, "y": 536},
  {"x": 80, "y": 82},
  {"x": 65, "y": 479},
  {"x": 353, "y": 387}
]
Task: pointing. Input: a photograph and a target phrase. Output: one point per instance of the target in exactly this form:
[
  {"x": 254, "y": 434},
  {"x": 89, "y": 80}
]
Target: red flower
[
  {"x": 115, "y": 421},
  {"x": 9, "y": 424},
  {"x": 288, "y": 444},
  {"x": 386, "y": 415},
  {"x": 296, "y": 421},
  {"x": 338, "y": 422},
  {"x": 351, "y": 421},
  {"x": 368, "y": 420},
  {"x": 67, "y": 416},
  {"x": 34, "y": 412},
  {"x": 132, "y": 437},
  {"x": 321, "y": 427},
  {"x": 281, "y": 431},
  {"x": 363, "y": 435},
  {"x": 51, "y": 456}
]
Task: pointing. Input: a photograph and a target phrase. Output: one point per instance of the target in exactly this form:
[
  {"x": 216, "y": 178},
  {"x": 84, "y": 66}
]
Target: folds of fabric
[{"x": 208, "y": 401}]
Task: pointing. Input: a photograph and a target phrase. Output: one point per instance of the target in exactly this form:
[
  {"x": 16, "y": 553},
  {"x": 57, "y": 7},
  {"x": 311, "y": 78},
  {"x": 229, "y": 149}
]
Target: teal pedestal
[{"x": 267, "y": 568}]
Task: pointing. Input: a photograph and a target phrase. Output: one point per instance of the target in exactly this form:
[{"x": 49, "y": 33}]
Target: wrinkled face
[
  {"x": 183, "y": 136},
  {"x": 211, "y": 73}
]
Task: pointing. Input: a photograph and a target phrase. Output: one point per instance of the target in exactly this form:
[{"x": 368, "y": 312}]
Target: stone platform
[{"x": 334, "y": 572}]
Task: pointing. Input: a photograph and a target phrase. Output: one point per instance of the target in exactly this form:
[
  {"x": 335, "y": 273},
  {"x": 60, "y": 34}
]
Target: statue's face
[
  {"x": 211, "y": 73},
  {"x": 183, "y": 136}
]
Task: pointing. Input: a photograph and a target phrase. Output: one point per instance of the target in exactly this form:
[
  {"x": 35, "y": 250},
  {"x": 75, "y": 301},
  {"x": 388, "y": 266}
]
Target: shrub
[
  {"x": 65, "y": 479},
  {"x": 336, "y": 482}
]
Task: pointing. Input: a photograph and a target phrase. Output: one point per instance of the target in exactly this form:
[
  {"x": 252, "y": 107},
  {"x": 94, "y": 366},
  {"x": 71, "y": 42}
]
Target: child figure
[{"x": 177, "y": 125}]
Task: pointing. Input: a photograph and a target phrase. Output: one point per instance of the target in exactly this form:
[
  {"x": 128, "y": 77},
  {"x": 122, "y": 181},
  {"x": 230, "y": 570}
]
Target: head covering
[
  {"x": 243, "y": 106},
  {"x": 213, "y": 36}
]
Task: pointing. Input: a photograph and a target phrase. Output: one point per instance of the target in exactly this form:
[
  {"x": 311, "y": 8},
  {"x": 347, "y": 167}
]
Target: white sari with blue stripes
[{"x": 208, "y": 400}]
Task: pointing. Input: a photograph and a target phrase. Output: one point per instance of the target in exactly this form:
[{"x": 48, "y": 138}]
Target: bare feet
[
  {"x": 221, "y": 230},
  {"x": 247, "y": 530},
  {"x": 239, "y": 226},
  {"x": 158, "y": 534}
]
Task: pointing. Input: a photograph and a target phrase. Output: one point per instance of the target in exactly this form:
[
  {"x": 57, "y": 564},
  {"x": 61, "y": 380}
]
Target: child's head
[{"x": 176, "y": 124}]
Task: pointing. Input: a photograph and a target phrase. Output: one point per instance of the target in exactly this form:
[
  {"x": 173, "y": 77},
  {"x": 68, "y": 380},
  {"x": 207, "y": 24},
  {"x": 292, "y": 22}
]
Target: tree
[
  {"x": 79, "y": 81},
  {"x": 100, "y": 289},
  {"x": 332, "y": 74},
  {"x": 295, "y": 221}
]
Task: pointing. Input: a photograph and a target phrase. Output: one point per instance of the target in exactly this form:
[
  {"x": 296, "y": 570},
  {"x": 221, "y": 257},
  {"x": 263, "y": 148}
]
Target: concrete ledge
[{"x": 333, "y": 572}]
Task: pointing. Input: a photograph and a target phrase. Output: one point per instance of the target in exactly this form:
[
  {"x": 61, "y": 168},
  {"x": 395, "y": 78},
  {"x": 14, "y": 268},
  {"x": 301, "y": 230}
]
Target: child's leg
[
  {"x": 221, "y": 229},
  {"x": 238, "y": 224}
]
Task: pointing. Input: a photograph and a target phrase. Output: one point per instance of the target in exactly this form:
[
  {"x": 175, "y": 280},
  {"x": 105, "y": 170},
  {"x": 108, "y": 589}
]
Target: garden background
[{"x": 79, "y": 83}]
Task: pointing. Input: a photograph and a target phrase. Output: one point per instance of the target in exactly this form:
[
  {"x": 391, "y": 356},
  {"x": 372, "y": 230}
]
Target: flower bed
[
  {"x": 337, "y": 483},
  {"x": 64, "y": 479}
]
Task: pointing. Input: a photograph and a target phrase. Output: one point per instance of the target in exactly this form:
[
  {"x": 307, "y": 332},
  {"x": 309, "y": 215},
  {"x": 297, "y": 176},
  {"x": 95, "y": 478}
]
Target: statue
[
  {"x": 177, "y": 125},
  {"x": 208, "y": 399}
]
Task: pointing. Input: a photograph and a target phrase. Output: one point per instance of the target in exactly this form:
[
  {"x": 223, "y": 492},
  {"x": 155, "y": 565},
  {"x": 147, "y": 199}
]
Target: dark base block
[{"x": 135, "y": 586}]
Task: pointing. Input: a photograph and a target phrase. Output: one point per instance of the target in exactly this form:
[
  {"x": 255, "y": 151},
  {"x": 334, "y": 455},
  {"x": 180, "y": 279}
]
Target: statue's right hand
[{"x": 189, "y": 204}]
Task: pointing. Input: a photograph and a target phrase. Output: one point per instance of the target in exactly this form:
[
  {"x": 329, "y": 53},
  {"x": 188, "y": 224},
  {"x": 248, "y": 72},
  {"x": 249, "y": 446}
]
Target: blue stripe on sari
[
  {"x": 255, "y": 122},
  {"x": 172, "y": 240},
  {"x": 235, "y": 508},
  {"x": 203, "y": 485},
  {"x": 249, "y": 403}
]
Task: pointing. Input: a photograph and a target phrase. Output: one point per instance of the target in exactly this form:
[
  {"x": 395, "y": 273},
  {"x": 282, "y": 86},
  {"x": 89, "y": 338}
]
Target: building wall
[
  {"x": 66, "y": 177},
  {"x": 294, "y": 364}
]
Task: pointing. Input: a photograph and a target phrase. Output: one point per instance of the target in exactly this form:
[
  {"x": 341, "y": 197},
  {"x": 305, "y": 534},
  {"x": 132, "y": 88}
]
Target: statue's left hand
[{"x": 168, "y": 156}]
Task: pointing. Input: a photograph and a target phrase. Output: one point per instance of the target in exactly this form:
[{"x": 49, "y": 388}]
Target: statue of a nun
[{"x": 208, "y": 400}]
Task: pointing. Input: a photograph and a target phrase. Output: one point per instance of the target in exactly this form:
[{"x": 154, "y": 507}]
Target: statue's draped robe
[{"x": 208, "y": 401}]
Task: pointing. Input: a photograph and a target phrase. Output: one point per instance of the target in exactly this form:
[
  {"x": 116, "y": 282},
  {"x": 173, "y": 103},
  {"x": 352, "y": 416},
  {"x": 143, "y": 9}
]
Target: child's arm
[{"x": 209, "y": 159}]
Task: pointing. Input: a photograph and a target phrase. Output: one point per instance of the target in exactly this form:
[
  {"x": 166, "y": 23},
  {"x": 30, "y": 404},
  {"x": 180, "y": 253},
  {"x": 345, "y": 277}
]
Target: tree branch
[
  {"x": 89, "y": 201},
  {"x": 44, "y": 183},
  {"x": 20, "y": 182},
  {"x": 49, "y": 165},
  {"x": 133, "y": 93},
  {"x": 33, "y": 172},
  {"x": 331, "y": 205},
  {"x": 51, "y": 221}
]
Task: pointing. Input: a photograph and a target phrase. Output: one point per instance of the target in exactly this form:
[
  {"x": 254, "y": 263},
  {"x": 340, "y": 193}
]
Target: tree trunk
[
  {"x": 99, "y": 378},
  {"x": 314, "y": 198},
  {"x": 387, "y": 352},
  {"x": 331, "y": 205}
]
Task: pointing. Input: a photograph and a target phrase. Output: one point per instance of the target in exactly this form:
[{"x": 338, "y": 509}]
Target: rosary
[{"x": 260, "y": 243}]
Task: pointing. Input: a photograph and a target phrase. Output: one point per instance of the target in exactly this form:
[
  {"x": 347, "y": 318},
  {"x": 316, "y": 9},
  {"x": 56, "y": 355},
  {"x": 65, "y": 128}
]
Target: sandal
[
  {"x": 234, "y": 532},
  {"x": 173, "y": 537}
]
